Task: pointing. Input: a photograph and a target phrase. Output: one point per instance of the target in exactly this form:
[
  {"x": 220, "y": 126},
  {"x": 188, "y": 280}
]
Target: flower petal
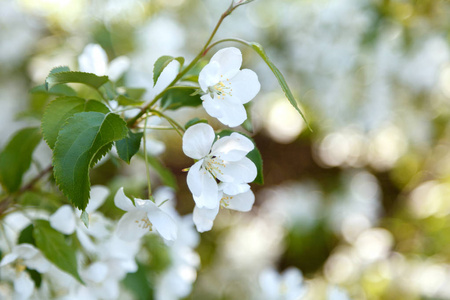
[
  {"x": 209, "y": 76},
  {"x": 166, "y": 77},
  {"x": 39, "y": 263},
  {"x": 24, "y": 285},
  {"x": 269, "y": 280},
  {"x": 122, "y": 201},
  {"x": 233, "y": 147},
  {"x": 197, "y": 140},
  {"x": 230, "y": 61},
  {"x": 93, "y": 60},
  {"x": 226, "y": 110},
  {"x": 130, "y": 226},
  {"x": 204, "y": 218},
  {"x": 203, "y": 186},
  {"x": 8, "y": 258},
  {"x": 233, "y": 188},
  {"x": 25, "y": 251},
  {"x": 117, "y": 67},
  {"x": 63, "y": 219},
  {"x": 242, "y": 202},
  {"x": 242, "y": 171},
  {"x": 162, "y": 222},
  {"x": 99, "y": 193},
  {"x": 245, "y": 85}
]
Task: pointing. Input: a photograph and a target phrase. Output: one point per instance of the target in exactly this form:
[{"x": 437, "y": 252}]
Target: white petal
[
  {"x": 230, "y": 61},
  {"x": 204, "y": 218},
  {"x": 130, "y": 226},
  {"x": 207, "y": 185},
  {"x": 245, "y": 85},
  {"x": 194, "y": 180},
  {"x": 166, "y": 77},
  {"x": 23, "y": 285},
  {"x": 162, "y": 222},
  {"x": 25, "y": 251},
  {"x": 63, "y": 219},
  {"x": 197, "y": 140},
  {"x": 96, "y": 272},
  {"x": 227, "y": 111},
  {"x": 86, "y": 241},
  {"x": 233, "y": 147},
  {"x": 117, "y": 67},
  {"x": 122, "y": 201},
  {"x": 39, "y": 263},
  {"x": 242, "y": 171},
  {"x": 99, "y": 193},
  {"x": 242, "y": 202},
  {"x": 8, "y": 258},
  {"x": 269, "y": 282},
  {"x": 93, "y": 60},
  {"x": 233, "y": 188},
  {"x": 209, "y": 76},
  {"x": 292, "y": 277}
]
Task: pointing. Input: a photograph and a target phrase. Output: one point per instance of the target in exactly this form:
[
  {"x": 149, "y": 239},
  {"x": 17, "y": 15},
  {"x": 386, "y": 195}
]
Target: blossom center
[
  {"x": 213, "y": 164},
  {"x": 221, "y": 89},
  {"x": 225, "y": 201},
  {"x": 20, "y": 265},
  {"x": 145, "y": 223}
]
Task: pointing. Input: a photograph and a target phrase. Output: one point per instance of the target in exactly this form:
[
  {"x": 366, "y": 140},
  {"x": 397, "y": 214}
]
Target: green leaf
[
  {"x": 138, "y": 284},
  {"x": 55, "y": 248},
  {"x": 254, "y": 156},
  {"x": 129, "y": 146},
  {"x": 135, "y": 93},
  {"x": 59, "y": 69},
  {"x": 180, "y": 96},
  {"x": 161, "y": 63},
  {"x": 15, "y": 159},
  {"x": 59, "y": 90},
  {"x": 89, "y": 79},
  {"x": 126, "y": 101},
  {"x": 163, "y": 172},
  {"x": 26, "y": 236},
  {"x": 84, "y": 135},
  {"x": 108, "y": 90},
  {"x": 85, "y": 218},
  {"x": 194, "y": 121},
  {"x": 287, "y": 91},
  {"x": 60, "y": 110}
]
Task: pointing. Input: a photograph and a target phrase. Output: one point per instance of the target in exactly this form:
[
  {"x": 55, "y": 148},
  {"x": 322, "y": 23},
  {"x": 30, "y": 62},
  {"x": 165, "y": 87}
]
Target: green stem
[
  {"x": 147, "y": 169},
  {"x": 171, "y": 121},
  {"x": 131, "y": 123}
]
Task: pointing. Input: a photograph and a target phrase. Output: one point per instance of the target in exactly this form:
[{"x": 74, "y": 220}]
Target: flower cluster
[
  {"x": 227, "y": 88},
  {"x": 223, "y": 161}
]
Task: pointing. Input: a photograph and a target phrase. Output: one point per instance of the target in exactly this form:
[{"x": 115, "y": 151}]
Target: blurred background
[{"x": 361, "y": 202}]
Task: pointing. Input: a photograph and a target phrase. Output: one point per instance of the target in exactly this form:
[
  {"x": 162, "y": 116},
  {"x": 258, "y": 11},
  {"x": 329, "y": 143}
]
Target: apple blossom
[
  {"x": 25, "y": 256},
  {"x": 227, "y": 87},
  {"x": 204, "y": 217},
  {"x": 224, "y": 160},
  {"x": 143, "y": 217},
  {"x": 67, "y": 220},
  {"x": 94, "y": 60},
  {"x": 286, "y": 286}
]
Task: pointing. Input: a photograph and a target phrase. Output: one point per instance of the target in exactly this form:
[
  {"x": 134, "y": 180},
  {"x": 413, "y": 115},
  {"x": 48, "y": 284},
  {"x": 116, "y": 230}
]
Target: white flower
[
  {"x": 227, "y": 88},
  {"x": 241, "y": 201},
  {"x": 144, "y": 217},
  {"x": 67, "y": 220},
  {"x": 287, "y": 286},
  {"x": 94, "y": 60},
  {"x": 224, "y": 160},
  {"x": 25, "y": 256}
]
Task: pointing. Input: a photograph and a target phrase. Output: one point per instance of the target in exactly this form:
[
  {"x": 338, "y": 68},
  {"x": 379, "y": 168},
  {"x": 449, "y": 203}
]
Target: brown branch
[{"x": 6, "y": 203}]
